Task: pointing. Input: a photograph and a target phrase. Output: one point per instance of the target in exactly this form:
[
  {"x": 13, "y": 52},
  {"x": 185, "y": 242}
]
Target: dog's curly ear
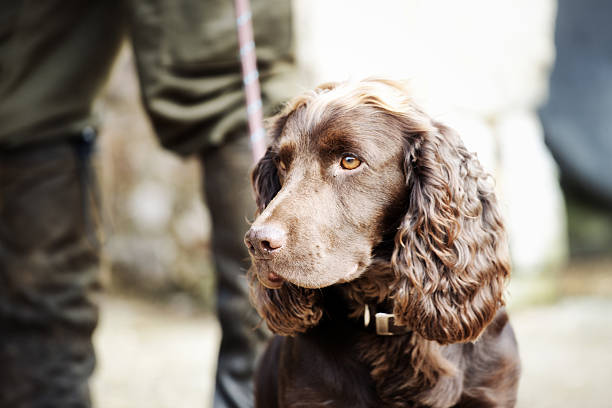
[
  {"x": 264, "y": 177},
  {"x": 450, "y": 259}
]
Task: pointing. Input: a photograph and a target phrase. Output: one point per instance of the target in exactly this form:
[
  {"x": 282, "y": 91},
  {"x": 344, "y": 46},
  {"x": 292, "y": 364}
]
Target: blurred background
[{"x": 528, "y": 85}]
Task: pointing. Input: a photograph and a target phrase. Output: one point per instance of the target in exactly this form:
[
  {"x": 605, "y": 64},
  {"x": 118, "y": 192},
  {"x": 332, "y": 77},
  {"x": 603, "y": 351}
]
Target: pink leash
[{"x": 250, "y": 78}]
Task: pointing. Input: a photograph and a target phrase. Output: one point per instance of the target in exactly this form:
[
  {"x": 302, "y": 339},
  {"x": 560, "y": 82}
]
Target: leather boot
[
  {"x": 48, "y": 266},
  {"x": 228, "y": 195}
]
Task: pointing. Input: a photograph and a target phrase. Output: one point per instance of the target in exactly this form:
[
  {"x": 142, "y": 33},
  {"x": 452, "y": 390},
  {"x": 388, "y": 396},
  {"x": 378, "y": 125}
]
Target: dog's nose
[{"x": 264, "y": 240}]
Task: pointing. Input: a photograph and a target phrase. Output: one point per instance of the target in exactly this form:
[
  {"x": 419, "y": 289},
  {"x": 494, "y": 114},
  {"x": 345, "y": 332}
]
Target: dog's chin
[
  {"x": 275, "y": 280},
  {"x": 268, "y": 278}
]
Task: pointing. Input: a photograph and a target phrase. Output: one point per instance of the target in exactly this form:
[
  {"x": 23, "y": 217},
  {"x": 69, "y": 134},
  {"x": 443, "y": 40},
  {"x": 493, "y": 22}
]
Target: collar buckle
[{"x": 383, "y": 324}]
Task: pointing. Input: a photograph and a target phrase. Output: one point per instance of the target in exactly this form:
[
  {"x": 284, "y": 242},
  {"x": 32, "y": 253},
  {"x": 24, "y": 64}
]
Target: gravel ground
[{"x": 164, "y": 356}]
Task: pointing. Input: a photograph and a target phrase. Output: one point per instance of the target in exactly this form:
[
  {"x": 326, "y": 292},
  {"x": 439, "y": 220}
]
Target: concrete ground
[{"x": 157, "y": 356}]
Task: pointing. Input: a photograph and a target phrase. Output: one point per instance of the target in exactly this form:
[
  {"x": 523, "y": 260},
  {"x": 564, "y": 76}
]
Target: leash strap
[{"x": 250, "y": 78}]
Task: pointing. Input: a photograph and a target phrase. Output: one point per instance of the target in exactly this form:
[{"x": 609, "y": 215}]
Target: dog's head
[{"x": 353, "y": 168}]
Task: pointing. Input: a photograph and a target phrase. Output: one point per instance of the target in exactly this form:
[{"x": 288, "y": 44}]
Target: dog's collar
[{"x": 382, "y": 323}]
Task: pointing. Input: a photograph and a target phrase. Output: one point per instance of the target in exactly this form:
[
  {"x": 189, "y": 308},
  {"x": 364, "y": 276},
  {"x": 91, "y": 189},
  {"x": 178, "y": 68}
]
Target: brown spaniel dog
[{"x": 379, "y": 259}]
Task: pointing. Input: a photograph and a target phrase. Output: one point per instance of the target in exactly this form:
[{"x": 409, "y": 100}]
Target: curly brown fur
[
  {"x": 288, "y": 310},
  {"x": 424, "y": 367},
  {"x": 414, "y": 228},
  {"x": 451, "y": 246}
]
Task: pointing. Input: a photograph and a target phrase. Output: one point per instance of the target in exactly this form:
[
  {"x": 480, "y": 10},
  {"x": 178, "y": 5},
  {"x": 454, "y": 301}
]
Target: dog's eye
[
  {"x": 349, "y": 162},
  {"x": 280, "y": 164}
]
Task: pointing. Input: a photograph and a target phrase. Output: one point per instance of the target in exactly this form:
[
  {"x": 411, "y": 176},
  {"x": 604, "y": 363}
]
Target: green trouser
[
  {"x": 48, "y": 260},
  {"x": 54, "y": 58}
]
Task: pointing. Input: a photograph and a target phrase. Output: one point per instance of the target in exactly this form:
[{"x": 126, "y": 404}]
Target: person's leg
[
  {"x": 48, "y": 264},
  {"x": 229, "y": 199},
  {"x": 187, "y": 58},
  {"x": 54, "y": 57}
]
